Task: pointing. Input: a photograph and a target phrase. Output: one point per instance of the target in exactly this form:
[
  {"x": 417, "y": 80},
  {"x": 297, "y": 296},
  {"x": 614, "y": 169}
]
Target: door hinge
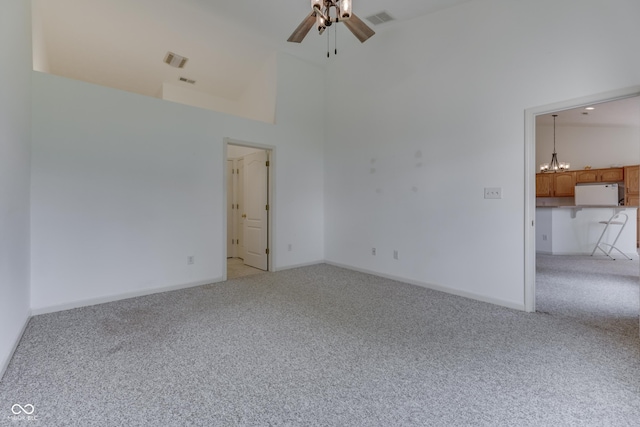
[
  {"x": 268, "y": 163},
  {"x": 266, "y": 207},
  {"x": 266, "y": 251},
  {"x": 238, "y": 171}
]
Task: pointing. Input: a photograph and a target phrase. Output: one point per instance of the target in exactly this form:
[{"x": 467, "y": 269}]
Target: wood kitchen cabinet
[
  {"x": 632, "y": 182},
  {"x": 600, "y": 175},
  {"x": 555, "y": 184},
  {"x": 564, "y": 184},
  {"x": 544, "y": 185},
  {"x": 632, "y": 192}
]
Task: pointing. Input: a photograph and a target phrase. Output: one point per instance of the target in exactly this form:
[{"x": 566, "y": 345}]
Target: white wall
[
  {"x": 595, "y": 146},
  {"x": 422, "y": 119},
  {"x": 188, "y": 96},
  {"x": 15, "y": 136},
  {"x": 258, "y": 102},
  {"x": 39, "y": 43},
  {"x": 125, "y": 187}
]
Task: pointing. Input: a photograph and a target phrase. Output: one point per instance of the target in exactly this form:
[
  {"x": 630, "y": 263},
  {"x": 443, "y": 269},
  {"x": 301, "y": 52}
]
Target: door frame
[
  {"x": 271, "y": 231},
  {"x": 530, "y": 169}
]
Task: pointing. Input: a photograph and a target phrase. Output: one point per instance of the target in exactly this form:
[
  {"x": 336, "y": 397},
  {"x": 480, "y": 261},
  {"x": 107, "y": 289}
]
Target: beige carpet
[{"x": 325, "y": 346}]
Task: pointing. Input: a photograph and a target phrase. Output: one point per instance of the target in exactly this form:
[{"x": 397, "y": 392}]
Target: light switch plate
[{"x": 493, "y": 192}]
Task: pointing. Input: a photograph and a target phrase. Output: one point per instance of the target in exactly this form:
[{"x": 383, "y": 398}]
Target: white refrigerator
[{"x": 597, "y": 194}]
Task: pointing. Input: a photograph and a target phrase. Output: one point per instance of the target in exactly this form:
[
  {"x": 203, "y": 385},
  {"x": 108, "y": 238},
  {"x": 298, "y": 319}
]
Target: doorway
[
  {"x": 531, "y": 167},
  {"x": 248, "y": 187}
]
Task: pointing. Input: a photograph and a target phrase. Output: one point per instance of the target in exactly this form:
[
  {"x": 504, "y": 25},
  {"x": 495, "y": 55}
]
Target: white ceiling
[
  {"x": 623, "y": 112},
  {"x": 122, "y": 43}
]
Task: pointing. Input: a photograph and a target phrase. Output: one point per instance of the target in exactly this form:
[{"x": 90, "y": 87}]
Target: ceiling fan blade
[
  {"x": 358, "y": 28},
  {"x": 299, "y": 34}
]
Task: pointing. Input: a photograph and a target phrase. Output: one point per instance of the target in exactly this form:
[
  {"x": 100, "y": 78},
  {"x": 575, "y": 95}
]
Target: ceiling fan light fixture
[
  {"x": 345, "y": 9},
  {"x": 324, "y": 13},
  {"x": 321, "y": 23}
]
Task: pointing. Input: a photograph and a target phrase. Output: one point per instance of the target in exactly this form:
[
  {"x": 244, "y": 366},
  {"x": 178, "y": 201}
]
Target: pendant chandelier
[{"x": 554, "y": 165}]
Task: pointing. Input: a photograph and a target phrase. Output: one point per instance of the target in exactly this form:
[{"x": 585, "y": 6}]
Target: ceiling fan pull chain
[
  {"x": 335, "y": 40},
  {"x": 328, "y": 43}
]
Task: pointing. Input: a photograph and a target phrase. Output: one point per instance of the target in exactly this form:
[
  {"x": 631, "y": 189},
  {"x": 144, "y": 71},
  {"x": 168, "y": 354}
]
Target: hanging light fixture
[{"x": 555, "y": 165}]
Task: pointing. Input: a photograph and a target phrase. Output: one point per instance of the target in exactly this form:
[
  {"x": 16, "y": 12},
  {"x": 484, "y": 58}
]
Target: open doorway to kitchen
[
  {"x": 561, "y": 276},
  {"x": 248, "y": 187}
]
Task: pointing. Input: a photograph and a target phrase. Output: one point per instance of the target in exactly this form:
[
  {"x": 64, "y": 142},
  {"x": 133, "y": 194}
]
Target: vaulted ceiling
[{"x": 122, "y": 43}]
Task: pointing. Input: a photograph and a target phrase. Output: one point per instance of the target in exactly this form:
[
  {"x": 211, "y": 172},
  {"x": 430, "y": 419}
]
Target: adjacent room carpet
[
  {"x": 325, "y": 346},
  {"x": 236, "y": 268}
]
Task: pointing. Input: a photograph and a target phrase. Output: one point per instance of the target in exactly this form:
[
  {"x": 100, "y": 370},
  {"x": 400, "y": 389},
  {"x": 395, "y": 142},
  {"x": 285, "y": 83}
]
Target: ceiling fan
[{"x": 324, "y": 13}]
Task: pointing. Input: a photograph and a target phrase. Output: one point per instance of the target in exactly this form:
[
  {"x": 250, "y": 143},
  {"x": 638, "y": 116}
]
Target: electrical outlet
[
  {"x": 395, "y": 254},
  {"x": 373, "y": 251},
  {"x": 493, "y": 192},
  {"x": 290, "y": 247},
  {"x": 191, "y": 259},
  {"x": 544, "y": 237}
]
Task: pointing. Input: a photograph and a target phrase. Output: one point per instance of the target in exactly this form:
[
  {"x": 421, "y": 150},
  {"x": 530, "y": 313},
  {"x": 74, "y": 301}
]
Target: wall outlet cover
[{"x": 493, "y": 192}]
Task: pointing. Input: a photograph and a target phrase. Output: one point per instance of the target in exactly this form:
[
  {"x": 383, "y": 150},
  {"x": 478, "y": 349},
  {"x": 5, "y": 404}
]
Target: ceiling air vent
[
  {"x": 380, "y": 18},
  {"x": 175, "y": 60},
  {"x": 186, "y": 80}
]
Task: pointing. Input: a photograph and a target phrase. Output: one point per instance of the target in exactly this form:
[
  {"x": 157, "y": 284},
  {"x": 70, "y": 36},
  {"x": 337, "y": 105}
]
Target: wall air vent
[
  {"x": 175, "y": 60},
  {"x": 186, "y": 80},
  {"x": 380, "y": 18}
]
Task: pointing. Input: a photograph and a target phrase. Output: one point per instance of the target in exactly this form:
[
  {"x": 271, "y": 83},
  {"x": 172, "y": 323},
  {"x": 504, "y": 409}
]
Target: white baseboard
[
  {"x": 306, "y": 264},
  {"x": 117, "y": 297},
  {"x": 5, "y": 363},
  {"x": 465, "y": 294}
]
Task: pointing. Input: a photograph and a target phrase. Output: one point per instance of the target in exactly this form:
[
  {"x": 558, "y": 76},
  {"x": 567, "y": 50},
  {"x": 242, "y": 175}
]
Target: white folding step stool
[{"x": 614, "y": 220}]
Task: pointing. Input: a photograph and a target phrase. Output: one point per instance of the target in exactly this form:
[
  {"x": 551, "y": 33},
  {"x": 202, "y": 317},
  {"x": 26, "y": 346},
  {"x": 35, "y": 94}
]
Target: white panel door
[
  {"x": 230, "y": 211},
  {"x": 240, "y": 251},
  {"x": 255, "y": 209}
]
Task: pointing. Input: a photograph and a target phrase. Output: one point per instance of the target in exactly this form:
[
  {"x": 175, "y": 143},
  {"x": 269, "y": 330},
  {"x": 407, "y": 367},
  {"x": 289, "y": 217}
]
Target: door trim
[
  {"x": 530, "y": 170},
  {"x": 271, "y": 193}
]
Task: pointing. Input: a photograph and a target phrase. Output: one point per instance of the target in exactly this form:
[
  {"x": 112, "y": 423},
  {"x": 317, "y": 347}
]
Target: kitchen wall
[
  {"x": 15, "y": 138},
  {"x": 125, "y": 187},
  {"x": 595, "y": 146},
  {"x": 424, "y": 118}
]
